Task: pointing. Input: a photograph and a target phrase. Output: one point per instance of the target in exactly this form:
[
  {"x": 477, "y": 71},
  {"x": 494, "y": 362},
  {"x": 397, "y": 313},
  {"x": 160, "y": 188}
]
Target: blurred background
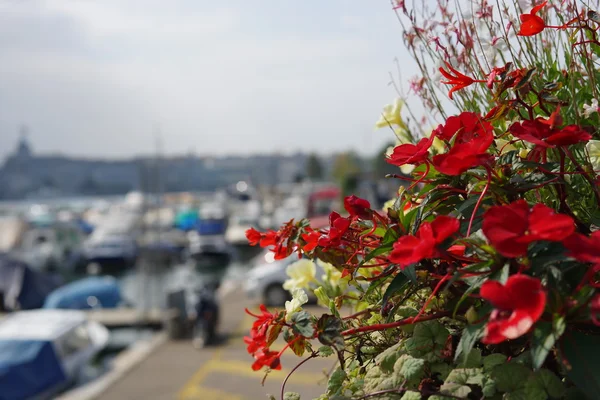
[{"x": 139, "y": 141}]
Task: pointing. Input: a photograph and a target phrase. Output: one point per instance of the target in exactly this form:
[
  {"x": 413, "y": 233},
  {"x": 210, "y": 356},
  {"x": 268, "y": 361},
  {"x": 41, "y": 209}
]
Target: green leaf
[
  {"x": 378, "y": 282},
  {"x": 510, "y": 377},
  {"x": 273, "y": 334},
  {"x": 399, "y": 283},
  {"x": 330, "y": 331},
  {"x": 545, "y": 336},
  {"x": 412, "y": 368},
  {"x": 489, "y": 362},
  {"x": 291, "y": 396},
  {"x": 549, "y": 383},
  {"x": 336, "y": 381},
  {"x": 472, "y": 360},
  {"x": 302, "y": 324},
  {"x": 580, "y": 352},
  {"x": 325, "y": 351},
  {"x": 457, "y": 383},
  {"x": 469, "y": 337},
  {"x": 428, "y": 341},
  {"x": 410, "y": 395},
  {"x": 298, "y": 346}
]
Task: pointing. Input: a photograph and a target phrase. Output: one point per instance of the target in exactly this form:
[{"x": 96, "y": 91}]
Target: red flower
[
  {"x": 541, "y": 132},
  {"x": 584, "y": 249},
  {"x": 258, "y": 332},
  {"x": 411, "y": 249},
  {"x": 468, "y": 125},
  {"x": 458, "y": 81},
  {"x": 311, "y": 238},
  {"x": 266, "y": 358},
  {"x": 357, "y": 207},
  {"x": 531, "y": 24},
  {"x": 518, "y": 305},
  {"x": 511, "y": 228},
  {"x": 473, "y": 136},
  {"x": 410, "y": 153},
  {"x": 460, "y": 158},
  {"x": 282, "y": 252},
  {"x": 337, "y": 228},
  {"x": 253, "y": 236},
  {"x": 269, "y": 238}
]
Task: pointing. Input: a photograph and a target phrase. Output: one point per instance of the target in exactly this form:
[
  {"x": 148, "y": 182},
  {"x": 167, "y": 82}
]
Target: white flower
[
  {"x": 392, "y": 115},
  {"x": 299, "y": 298},
  {"x": 593, "y": 148},
  {"x": 590, "y": 109},
  {"x": 301, "y": 274}
]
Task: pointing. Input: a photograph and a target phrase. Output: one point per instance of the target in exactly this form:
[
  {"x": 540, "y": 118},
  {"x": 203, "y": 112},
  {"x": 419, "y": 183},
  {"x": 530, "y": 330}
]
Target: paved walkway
[{"x": 177, "y": 371}]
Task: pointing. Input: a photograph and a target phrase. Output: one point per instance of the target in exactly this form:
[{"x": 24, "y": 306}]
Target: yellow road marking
[
  {"x": 241, "y": 368},
  {"x": 209, "y": 394}
]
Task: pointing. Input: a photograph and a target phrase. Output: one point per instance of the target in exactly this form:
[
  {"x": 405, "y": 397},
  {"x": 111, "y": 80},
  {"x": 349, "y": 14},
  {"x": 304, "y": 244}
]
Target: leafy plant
[{"x": 480, "y": 280}]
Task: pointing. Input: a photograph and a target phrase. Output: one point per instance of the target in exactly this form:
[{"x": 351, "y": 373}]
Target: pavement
[{"x": 175, "y": 370}]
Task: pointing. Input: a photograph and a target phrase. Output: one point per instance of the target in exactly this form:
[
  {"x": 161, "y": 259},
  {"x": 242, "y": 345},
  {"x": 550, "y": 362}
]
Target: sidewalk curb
[{"x": 122, "y": 365}]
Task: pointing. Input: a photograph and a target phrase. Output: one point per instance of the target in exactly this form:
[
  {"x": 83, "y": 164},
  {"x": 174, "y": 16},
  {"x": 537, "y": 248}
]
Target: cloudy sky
[{"x": 99, "y": 77}]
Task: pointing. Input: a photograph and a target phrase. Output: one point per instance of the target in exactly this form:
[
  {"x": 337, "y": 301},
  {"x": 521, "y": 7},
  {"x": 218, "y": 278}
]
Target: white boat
[{"x": 42, "y": 352}]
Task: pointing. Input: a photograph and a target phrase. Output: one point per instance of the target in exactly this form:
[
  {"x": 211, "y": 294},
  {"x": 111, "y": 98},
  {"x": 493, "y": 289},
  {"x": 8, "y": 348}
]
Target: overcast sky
[{"x": 97, "y": 77}]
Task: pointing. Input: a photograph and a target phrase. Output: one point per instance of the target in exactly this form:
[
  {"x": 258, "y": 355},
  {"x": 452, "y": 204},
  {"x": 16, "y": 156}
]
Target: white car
[{"x": 264, "y": 281}]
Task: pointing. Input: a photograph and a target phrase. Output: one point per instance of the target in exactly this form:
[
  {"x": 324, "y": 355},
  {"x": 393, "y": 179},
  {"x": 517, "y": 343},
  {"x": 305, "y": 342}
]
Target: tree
[
  {"x": 314, "y": 167},
  {"x": 346, "y": 171},
  {"x": 380, "y": 166}
]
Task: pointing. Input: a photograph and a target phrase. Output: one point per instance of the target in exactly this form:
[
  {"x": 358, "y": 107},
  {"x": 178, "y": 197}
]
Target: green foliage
[
  {"x": 427, "y": 341},
  {"x": 314, "y": 167}
]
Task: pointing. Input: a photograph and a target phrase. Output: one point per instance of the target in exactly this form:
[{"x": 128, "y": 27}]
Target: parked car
[
  {"x": 264, "y": 281},
  {"x": 42, "y": 352}
]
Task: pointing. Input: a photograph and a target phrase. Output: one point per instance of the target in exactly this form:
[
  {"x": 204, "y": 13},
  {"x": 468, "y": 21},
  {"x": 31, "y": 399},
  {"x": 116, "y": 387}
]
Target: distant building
[{"x": 26, "y": 174}]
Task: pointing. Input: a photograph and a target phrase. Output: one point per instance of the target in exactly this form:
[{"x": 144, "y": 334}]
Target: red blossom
[
  {"x": 357, "y": 207},
  {"x": 269, "y": 238},
  {"x": 311, "y": 238},
  {"x": 410, "y": 249},
  {"x": 460, "y": 158},
  {"x": 410, "y": 153},
  {"x": 458, "y": 80},
  {"x": 469, "y": 125},
  {"x": 253, "y": 236},
  {"x": 511, "y": 228},
  {"x": 518, "y": 305},
  {"x": 583, "y": 248},
  {"x": 541, "y": 132},
  {"x": 338, "y": 226},
  {"x": 532, "y": 24},
  {"x": 258, "y": 333},
  {"x": 266, "y": 358},
  {"x": 473, "y": 136}
]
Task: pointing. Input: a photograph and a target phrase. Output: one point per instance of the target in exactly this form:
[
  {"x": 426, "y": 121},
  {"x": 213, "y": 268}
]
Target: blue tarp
[
  {"x": 24, "y": 286},
  {"x": 211, "y": 227},
  {"x": 76, "y": 295},
  {"x": 27, "y": 368}
]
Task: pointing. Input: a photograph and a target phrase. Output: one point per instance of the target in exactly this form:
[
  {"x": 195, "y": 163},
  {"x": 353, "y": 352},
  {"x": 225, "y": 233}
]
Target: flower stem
[
  {"x": 313, "y": 355},
  {"x": 483, "y": 192},
  {"x": 405, "y": 321}
]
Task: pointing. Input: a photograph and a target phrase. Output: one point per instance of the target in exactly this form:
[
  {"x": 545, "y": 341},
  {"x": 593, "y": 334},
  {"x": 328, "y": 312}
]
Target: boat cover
[
  {"x": 86, "y": 293},
  {"x": 211, "y": 226},
  {"x": 22, "y": 287},
  {"x": 28, "y": 368}
]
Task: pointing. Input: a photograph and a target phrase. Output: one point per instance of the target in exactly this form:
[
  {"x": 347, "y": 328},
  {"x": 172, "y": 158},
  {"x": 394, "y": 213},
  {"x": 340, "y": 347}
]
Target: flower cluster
[{"x": 492, "y": 252}]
